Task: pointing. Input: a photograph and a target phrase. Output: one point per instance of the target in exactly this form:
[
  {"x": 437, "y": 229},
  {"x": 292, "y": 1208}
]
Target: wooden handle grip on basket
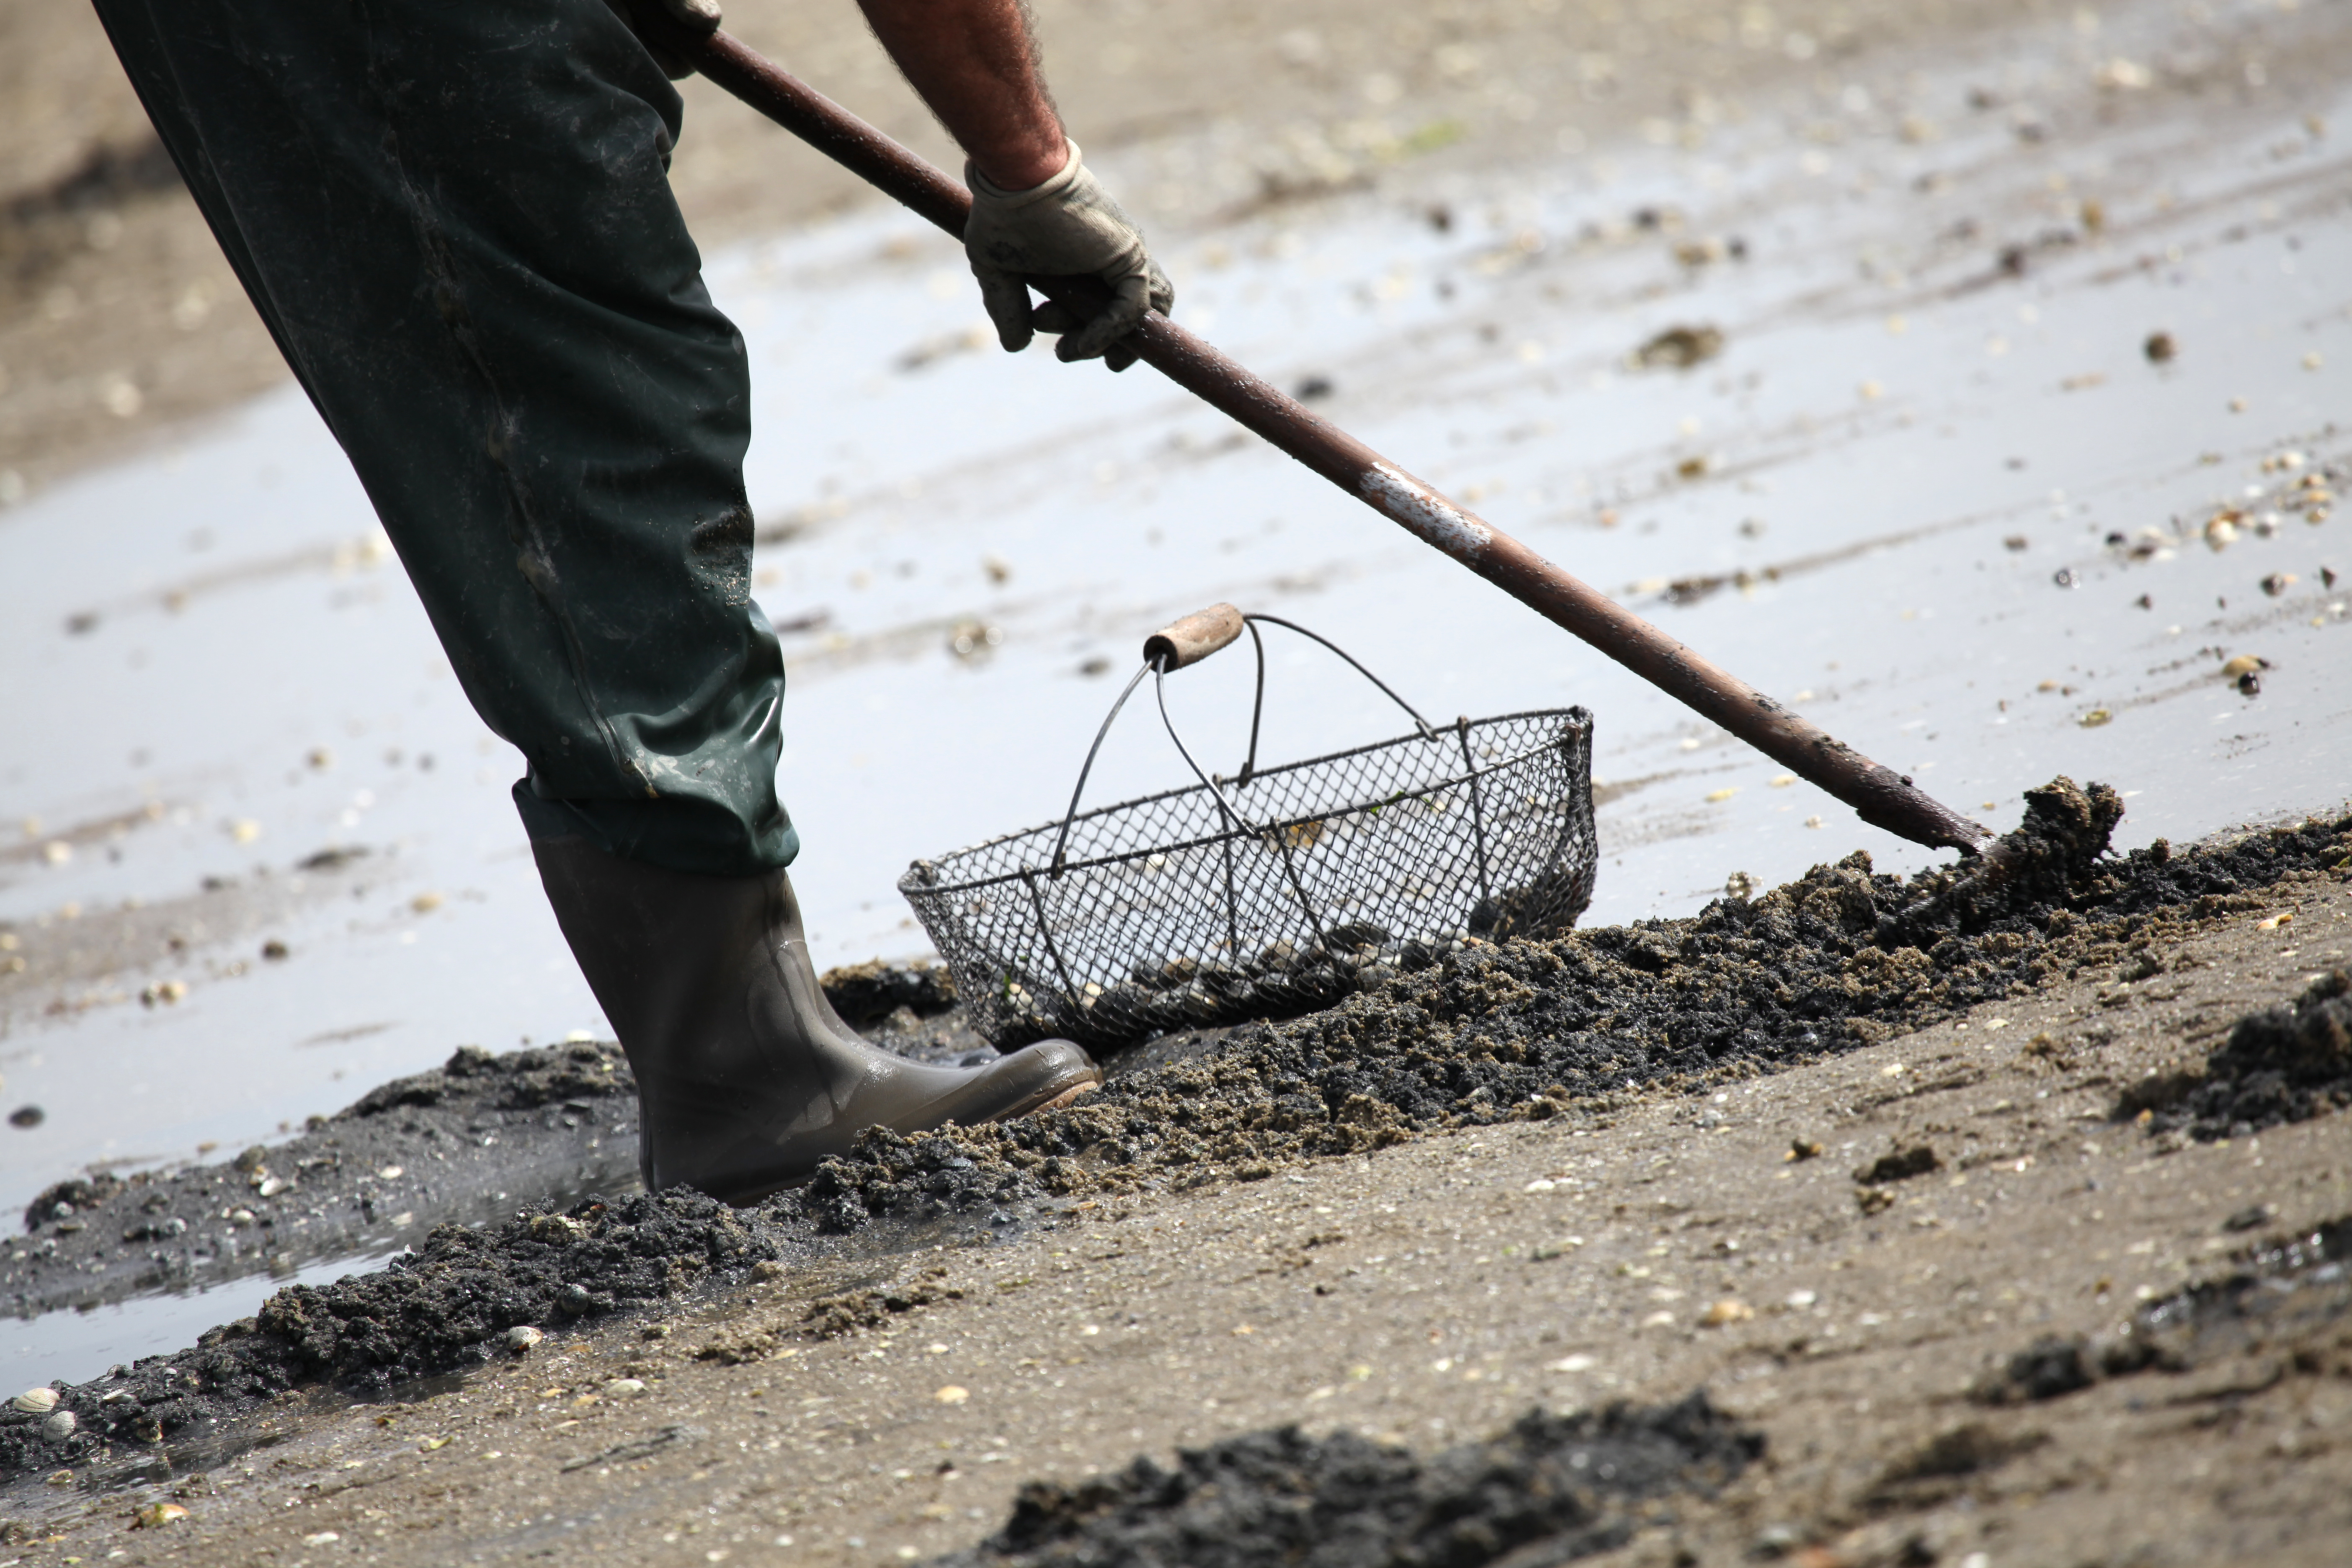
[{"x": 1193, "y": 638}]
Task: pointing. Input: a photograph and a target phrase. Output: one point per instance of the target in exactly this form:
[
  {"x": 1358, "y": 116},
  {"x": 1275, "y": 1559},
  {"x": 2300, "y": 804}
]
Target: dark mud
[
  {"x": 1526, "y": 1030},
  {"x": 1551, "y": 1489},
  {"x": 450, "y": 1144},
  {"x": 443, "y": 1308},
  {"x": 1532, "y": 1029},
  {"x": 465, "y": 1142},
  {"x": 2284, "y": 1064},
  {"x": 2286, "y": 1306}
]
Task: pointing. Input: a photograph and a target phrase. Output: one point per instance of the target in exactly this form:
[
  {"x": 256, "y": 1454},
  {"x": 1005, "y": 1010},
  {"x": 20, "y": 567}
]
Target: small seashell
[
  {"x": 1740, "y": 885},
  {"x": 58, "y": 1426},
  {"x": 389, "y": 1174},
  {"x": 1725, "y": 1312},
  {"x": 521, "y": 1337},
  {"x": 156, "y": 1515},
  {"x": 2244, "y": 664},
  {"x": 270, "y": 1186},
  {"x": 36, "y": 1401},
  {"x": 625, "y": 1388},
  {"x": 2095, "y": 717},
  {"x": 953, "y": 1393}
]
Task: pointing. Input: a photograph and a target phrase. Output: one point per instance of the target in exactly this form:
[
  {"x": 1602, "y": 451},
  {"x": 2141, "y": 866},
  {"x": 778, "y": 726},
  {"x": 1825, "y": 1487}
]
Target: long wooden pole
[{"x": 1878, "y": 795}]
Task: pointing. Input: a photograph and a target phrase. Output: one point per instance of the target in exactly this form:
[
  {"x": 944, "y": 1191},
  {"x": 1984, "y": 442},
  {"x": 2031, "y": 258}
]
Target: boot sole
[
  {"x": 1053, "y": 1102},
  {"x": 1067, "y": 1097}
]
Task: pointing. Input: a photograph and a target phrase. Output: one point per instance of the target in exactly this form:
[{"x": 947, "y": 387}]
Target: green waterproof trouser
[{"x": 456, "y": 218}]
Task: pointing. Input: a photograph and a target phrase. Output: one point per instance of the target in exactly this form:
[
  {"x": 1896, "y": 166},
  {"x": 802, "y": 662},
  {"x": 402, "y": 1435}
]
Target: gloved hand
[
  {"x": 1068, "y": 227},
  {"x": 693, "y": 16}
]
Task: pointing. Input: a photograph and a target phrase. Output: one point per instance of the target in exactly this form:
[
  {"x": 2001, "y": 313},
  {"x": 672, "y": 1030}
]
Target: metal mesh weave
[{"x": 1166, "y": 915}]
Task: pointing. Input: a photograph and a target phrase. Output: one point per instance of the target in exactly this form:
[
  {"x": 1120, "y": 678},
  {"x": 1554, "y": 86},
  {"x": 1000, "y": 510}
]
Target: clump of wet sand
[
  {"x": 1283, "y": 1499},
  {"x": 2284, "y": 1064}
]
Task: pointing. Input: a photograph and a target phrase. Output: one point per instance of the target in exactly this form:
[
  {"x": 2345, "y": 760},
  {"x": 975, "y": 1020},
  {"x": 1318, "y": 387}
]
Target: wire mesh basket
[{"x": 1271, "y": 894}]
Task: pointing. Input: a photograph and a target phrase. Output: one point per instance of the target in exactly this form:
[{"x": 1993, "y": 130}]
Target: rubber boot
[{"x": 746, "y": 1076}]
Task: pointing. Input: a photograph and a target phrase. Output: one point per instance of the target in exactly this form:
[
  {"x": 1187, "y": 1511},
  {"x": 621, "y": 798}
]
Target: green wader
[{"x": 455, "y": 218}]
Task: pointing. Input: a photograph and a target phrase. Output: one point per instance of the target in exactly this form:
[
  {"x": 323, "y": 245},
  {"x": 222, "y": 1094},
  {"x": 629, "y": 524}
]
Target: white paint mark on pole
[{"x": 1426, "y": 513}]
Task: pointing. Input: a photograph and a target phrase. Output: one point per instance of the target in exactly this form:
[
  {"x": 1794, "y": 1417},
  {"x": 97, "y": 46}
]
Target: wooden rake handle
[{"x": 1879, "y": 794}]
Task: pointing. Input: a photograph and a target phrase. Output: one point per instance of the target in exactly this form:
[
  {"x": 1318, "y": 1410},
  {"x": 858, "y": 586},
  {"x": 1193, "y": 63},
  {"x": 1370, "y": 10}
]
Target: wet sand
[{"x": 1938, "y": 247}]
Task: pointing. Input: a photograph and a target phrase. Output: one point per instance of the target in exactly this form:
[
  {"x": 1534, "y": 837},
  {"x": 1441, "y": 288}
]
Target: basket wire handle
[
  {"x": 1187, "y": 642},
  {"x": 1062, "y": 843},
  {"x": 1249, "y": 764}
]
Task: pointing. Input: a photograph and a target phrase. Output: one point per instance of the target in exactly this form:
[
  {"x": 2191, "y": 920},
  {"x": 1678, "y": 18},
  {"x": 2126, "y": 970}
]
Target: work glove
[
  {"x": 1068, "y": 227},
  {"x": 694, "y": 16}
]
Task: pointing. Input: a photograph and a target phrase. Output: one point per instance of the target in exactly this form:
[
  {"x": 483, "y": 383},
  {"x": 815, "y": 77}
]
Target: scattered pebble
[
  {"x": 624, "y": 1387},
  {"x": 2095, "y": 717},
  {"x": 425, "y": 903},
  {"x": 1725, "y": 1313},
  {"x": 952, "y": 1393},
  {"x": 1680, "y": 348},
  {"x": 321, "y": 1538},
  {"x": 154, "y": 1515},
  {"x": 2159, "y": 348}
]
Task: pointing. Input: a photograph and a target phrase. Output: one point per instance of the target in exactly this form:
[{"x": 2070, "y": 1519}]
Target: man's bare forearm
[{"x": 975, "y": 63}]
